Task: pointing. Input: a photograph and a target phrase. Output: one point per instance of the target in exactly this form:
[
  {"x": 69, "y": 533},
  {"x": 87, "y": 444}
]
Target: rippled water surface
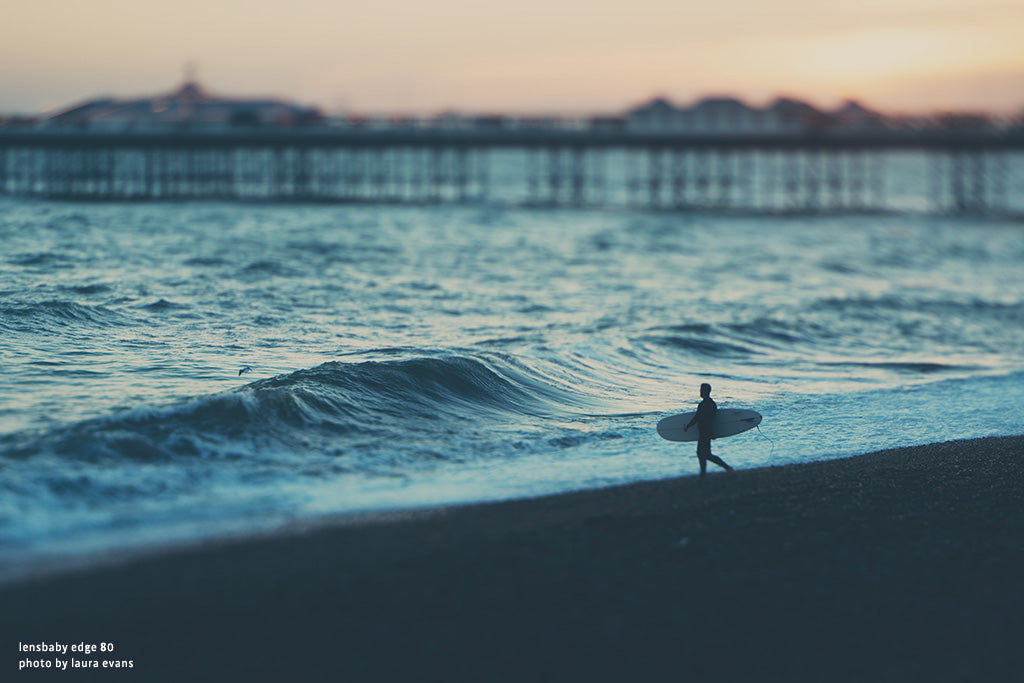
[{"x": 415, "y": 355}]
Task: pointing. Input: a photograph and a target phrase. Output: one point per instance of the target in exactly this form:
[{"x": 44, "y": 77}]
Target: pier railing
[{"x": 969, "y": 172}]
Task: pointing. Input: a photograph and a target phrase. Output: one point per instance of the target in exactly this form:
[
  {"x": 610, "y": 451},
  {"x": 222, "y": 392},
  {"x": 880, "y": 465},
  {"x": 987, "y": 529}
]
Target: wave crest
[{"x": 323, "y": 408}]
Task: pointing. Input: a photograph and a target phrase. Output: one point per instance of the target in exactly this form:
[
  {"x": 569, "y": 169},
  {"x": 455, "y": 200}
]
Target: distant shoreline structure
[
  {"x": 967, "y": 172},
  {"x": 719, "y": 154},
  {"x": 191, "y": 107}
]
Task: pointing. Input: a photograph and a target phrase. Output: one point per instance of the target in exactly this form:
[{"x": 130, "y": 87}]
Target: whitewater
[{"x": 410, "y": 356}]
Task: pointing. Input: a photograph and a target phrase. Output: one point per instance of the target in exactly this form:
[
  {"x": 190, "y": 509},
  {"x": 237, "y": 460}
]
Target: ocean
[{"x": 409, "y": 356}]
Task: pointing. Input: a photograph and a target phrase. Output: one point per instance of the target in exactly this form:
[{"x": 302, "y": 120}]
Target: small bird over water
[{"x": 244, "y": 370}]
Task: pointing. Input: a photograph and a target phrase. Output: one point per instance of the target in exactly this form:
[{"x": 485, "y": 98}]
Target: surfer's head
[{"x": 705, "y": 390}]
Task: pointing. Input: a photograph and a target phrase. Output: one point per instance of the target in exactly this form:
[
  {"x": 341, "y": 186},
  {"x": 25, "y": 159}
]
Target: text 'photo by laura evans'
[{"x": 54, "y": 656}]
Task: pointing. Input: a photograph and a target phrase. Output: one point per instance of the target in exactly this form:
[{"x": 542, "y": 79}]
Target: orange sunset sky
[{"x": 556, "y": 56}]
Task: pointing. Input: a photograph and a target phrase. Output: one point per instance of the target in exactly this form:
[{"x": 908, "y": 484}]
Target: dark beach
[{"x": 902, "y": 565}]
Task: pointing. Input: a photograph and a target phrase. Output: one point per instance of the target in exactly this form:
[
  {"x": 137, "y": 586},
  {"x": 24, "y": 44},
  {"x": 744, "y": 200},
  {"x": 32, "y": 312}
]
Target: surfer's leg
[
  {"x": 718, "y": 461},
  {"x": 703, "y": 450}
]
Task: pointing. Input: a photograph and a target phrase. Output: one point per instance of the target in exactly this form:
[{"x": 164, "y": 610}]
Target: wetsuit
[{"x": 705, "y": 426}]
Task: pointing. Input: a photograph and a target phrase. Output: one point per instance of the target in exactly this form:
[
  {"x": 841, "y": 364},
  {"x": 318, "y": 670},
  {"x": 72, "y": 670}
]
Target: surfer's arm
[{"x": 696, "y": 416}]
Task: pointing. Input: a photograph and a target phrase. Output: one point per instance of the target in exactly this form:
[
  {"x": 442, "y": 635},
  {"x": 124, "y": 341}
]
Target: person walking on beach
[{"x": 705, "y": 419}]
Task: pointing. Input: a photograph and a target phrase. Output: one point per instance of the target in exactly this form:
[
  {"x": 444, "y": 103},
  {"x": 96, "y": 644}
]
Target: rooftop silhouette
[{"x": 191, "y": 106}]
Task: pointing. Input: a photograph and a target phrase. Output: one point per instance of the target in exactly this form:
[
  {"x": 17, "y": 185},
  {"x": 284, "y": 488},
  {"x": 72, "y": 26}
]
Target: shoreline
[{"x": 896, "y": 565}]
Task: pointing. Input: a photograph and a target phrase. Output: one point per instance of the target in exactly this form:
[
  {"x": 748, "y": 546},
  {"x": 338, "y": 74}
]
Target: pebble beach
[{"x": 900, "y": 565}]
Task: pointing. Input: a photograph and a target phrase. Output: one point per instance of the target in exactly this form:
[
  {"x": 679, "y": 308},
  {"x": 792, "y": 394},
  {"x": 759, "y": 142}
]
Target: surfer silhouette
[{"x": 705, "y": 419}]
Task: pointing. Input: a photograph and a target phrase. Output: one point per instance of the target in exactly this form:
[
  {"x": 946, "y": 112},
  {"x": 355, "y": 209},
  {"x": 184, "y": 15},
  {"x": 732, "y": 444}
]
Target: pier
[{"x": 968, "y": 173}]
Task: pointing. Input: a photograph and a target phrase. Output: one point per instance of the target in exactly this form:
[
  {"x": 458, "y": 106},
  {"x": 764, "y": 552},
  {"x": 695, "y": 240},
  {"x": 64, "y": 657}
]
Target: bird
[{"x": 244, "y": 370}]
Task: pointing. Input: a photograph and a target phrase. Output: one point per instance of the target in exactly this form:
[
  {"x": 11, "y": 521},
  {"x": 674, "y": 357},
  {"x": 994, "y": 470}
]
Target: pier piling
[{"x": 970, "y": 175}]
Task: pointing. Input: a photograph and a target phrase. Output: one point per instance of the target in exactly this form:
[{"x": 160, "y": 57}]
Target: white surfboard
[{"x": 728, "y": 421}]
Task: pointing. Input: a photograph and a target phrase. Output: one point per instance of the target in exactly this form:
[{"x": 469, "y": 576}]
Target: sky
[{"x": 518, "y": 56}]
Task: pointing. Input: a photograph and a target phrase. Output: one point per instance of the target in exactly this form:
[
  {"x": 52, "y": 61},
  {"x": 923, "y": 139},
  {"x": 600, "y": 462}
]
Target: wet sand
[{"x": 903, "y": 565}]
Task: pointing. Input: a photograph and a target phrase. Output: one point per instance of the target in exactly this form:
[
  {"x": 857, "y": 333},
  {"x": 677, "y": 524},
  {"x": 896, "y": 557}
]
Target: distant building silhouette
[
  {"x": 190, "y": 106},
  {"x": 730, "y": 116},
  {"x": 852, "y": 115}
]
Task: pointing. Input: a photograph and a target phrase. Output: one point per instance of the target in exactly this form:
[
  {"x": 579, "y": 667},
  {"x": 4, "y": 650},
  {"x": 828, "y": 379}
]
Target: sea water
[{"x": 421, "y": 355}]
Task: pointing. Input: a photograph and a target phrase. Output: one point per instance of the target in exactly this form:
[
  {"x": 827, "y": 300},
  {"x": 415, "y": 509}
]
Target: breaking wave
[{"x": 322, "y": 408}]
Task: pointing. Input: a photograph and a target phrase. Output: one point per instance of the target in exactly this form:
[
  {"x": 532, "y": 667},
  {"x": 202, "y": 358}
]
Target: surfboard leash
[{"x": 772, "y": 450}]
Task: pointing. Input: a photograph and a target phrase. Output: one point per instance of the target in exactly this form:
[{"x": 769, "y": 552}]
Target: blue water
[{"x": 409, "y": 356}]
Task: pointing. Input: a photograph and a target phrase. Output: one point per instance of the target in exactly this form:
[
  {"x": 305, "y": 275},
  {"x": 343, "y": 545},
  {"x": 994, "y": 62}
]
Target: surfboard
[{"x": 728, "y": 421}]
